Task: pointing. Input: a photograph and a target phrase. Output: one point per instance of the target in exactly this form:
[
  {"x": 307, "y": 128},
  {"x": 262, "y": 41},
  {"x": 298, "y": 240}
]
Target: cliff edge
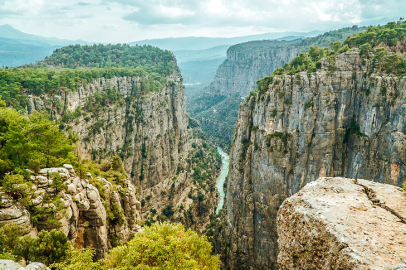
[{"x": 341, "y": 223}]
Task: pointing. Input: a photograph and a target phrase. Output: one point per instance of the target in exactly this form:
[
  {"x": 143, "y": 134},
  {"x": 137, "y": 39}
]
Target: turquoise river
[{"x": 222, "y": 178}]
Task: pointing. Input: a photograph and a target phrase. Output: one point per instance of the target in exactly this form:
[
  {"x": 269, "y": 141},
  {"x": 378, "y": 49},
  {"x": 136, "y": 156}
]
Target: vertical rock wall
[
  {"x": 149, "y": 130},
  {"x": 346, "y": 123}
]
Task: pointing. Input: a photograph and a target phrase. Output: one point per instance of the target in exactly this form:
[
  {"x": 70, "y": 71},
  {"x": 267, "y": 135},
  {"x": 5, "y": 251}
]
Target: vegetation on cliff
[
  {"x": 71, "y": 67},
  {"x": 152, "y": 59},
  {"x": 216, "y": 107},
  {"x": 162, "y": 245},
  {"x": 377, "y": 39}
]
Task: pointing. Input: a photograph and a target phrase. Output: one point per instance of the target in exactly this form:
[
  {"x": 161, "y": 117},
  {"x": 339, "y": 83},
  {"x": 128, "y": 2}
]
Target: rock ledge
[{"x": 340, "y": 223}]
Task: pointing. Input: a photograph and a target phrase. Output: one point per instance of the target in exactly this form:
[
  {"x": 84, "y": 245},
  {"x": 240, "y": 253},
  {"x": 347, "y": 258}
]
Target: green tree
[
  {"x": 9, "y": 235},
  {"x": 79, "y": 259},
  {"x": 48, "y": 247},
  {"x": 164, "y": 246}
]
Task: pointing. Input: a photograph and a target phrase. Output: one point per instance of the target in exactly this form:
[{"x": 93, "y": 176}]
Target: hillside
[
  {"x": 127, "y": 103},
  {"x": 216, "y": 106},
  {"x": 331, "y": 112}
]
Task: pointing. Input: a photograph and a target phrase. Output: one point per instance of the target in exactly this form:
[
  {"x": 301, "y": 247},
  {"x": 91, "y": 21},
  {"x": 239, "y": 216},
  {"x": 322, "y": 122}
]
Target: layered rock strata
[
  {"x": 145, "y": 123},
  {"x": 147, "y": 128},
  {"x": 216, "y": 106},
  {"x": 80, "y": 212},
  {"x": 348, "y": 122},
  {"x": 341, "y": 223}
]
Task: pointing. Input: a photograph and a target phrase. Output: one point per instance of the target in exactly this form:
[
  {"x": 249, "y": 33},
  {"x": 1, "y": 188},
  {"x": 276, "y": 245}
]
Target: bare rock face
[
  {"x": 347, "y": 123},
  {"x": 148, "y": 129},
  {"x": 11, "y": 265},
  {"x": 341, "y": 223},
  {"x": 81, "y": 212}
]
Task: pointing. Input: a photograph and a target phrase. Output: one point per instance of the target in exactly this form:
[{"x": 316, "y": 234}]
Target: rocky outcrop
[
  {"x": 79, "y": 210},
  {"x": 144, "y": 121},
  {"x": 348, "y": 122},
  {"x": 340, "y": 223}
]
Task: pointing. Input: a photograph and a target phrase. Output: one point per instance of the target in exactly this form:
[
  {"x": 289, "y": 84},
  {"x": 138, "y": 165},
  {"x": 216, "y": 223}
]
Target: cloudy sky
[{"x": 132, "y": 20}]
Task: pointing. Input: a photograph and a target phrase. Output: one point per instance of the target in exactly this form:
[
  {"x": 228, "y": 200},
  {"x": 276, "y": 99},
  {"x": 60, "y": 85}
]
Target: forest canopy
[
  {"x": 73, "y": 66},
  {"x": 152, "y": 59}
]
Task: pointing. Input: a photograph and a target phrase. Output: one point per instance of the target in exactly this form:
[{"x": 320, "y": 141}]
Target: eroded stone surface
[
  {"x": 302, "y": 128},
  {"x": 83, "y": 217},
  {"x": 341, "y": 223}
]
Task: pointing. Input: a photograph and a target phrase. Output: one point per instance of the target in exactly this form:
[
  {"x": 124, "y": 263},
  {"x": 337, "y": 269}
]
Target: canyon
[
  {"x": 347, "y": 123},
  {"x": 216, "y": 106}
]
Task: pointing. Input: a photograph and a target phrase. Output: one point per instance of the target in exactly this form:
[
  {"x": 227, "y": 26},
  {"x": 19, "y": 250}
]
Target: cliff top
[
  {"x": 151, "y": 59},
  {"x": 322, "y": 40},
  {"x": 385, "y": 44},
  {"x": 343, "y": 224}
]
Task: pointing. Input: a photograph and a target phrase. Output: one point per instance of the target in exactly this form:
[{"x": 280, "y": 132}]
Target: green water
[{"x": 223, "y": 174}]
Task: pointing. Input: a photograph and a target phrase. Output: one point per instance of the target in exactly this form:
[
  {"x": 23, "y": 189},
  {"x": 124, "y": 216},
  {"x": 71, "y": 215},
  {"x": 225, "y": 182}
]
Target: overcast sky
[{"x": 131, "y": 20}]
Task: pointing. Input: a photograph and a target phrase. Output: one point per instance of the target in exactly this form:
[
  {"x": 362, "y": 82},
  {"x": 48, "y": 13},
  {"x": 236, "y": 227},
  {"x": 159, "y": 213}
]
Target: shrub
[
  {"x": 164, "y": 246},
  {"x": 49, "y": 247},
  {"x": 168, "y": 211},
  {"x": 79, "y": 259}
]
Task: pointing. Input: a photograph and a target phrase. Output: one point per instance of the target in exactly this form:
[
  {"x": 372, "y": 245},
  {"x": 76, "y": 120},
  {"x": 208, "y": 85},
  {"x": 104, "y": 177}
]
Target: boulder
[
  {"x": 341, "y": 223},
  {"x": 9, "y": 265}
]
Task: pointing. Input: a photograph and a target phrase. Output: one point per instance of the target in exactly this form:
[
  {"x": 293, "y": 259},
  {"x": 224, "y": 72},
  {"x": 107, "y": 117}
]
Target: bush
[
  {"x": 164, "y": 246},
  {"x": 49, "y": 247},
  {"x": 9, "y": 235},
  {"x": 168, "y": 211},
  {"x": 79, "y": 259}
]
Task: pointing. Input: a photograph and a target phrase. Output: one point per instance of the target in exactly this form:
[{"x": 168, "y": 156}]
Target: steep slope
[
  {"x": 127, "y": 111},
  {"x": 344, "y": 116},
  {"x": 82, "y": 211},
  {"x": 237, "y": 76}
]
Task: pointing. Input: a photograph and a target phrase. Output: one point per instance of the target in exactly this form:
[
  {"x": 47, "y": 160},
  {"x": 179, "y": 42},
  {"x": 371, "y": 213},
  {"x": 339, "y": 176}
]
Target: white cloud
[{"x": 130, "y": 20}]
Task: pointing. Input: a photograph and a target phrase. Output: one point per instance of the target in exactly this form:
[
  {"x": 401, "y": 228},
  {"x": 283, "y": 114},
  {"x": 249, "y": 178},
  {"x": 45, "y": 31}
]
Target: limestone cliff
[
  {"x": 80, "y": 211},
  {"x": 348, "y": 122},
  {"x": 144, "y": 121},
  {"x": 341, "y": 223},
  {"x": 217, "y": 105}
]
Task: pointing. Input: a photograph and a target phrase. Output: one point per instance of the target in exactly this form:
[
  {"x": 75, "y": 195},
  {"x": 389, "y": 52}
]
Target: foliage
[
  {"x": 48, "y": 247},
  {"x": 9, "y": 235},
  {"x": 387, "y": 35},
  {"x": 164, "y": 246},
  {"x": 79, "y": 259},
  {"x": 31, "y": 142},
  {"x": 152, "y": 59},
  {"x": 79, "y": 65},
  {"x": 352, "y": 129}
]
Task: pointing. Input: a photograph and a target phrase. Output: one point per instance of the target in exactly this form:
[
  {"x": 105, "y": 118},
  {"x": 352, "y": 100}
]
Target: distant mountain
[
  {"x": 18, "y": 48},
  {"x": 199, "y": 66},
  {"x": 10, "y": 33},
  {"x": 201, "y": 43}
]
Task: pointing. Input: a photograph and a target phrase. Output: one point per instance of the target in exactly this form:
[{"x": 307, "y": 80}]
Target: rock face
[
  {"x": 148, "y": 129},
  {"x": 340, "y": 223},
  {"x": 347, "y": 123},
  {"x": 216, "y": 107},
  {"x": 80, "y": 212}
]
